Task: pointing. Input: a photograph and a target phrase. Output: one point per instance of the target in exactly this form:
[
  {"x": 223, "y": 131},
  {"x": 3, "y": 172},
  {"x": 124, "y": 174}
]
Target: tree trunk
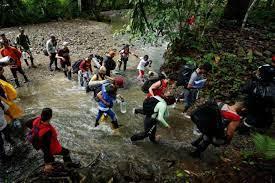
[
  {"x": 79, "y": 5},
  {"x": 236, "y": 9}
]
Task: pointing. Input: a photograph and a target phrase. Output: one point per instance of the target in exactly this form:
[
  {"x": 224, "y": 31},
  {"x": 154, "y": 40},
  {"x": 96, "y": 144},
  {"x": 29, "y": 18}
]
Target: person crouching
[{"x": 48, "y": 142}]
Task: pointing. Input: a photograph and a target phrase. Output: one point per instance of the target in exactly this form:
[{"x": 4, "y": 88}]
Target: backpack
[
  {"x": 184, "y": 75},
  {"x": 45, "y": 52},
  {"x": 207, "y": 117},
  {"x": 149, "y": 105},
  {"x": 75, "y": 66},
  {"x": 33, "y": 137},
  {"x": 110, "y": 63}
]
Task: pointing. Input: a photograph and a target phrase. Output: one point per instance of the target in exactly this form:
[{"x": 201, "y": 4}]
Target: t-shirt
[
  {"x": 23, "y": 40},
  {"x": 124, "y": 54},
  {"x": 14, "y": 54},
  {"x": 65, "y": 53},
  {"x": 195, "y": 78},
  {"x": 108, "y": 98},
  {"x": 141, "y": 65},
  {"x": 51, "y": 46}
]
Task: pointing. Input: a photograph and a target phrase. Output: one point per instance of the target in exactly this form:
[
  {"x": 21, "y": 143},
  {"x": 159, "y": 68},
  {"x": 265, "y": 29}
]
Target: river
[{"x": 74, "y": 117}]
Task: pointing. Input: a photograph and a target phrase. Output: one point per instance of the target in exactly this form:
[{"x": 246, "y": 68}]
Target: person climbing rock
[
  {"x": 85, "y": 72},
  {"x": 109, "y": 63},
  {"x": 16, "y": 66},
  {"x": 218, "y": 129},
  {"x": 65, "y": 60},
  {"x": 107, "y": 97},
  {"x": 51, "y": 47},
  {"x": 23, "y": 43},
  {"x": 48, "y": 141},
  {"x": 196, "y": 82},
  {"x": 155, "y": 110}
]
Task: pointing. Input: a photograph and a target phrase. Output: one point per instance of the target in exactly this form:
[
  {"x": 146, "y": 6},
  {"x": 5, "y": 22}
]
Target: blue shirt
[{"x": 108, "y": 98}]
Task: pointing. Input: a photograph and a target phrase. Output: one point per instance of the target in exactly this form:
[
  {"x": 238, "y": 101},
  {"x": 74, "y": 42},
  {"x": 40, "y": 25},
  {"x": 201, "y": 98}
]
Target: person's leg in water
[
  {"x": 66, "y": 155},
  {"x": 20, "y": 70},
  {"x": 14, "y": 73},
  {"x": 25, "y": 56},
  {"x": 69, "y": 72},
  {"x": 148, "y": 125},
  {"x": 120, "y": 63},
  {"x": 113, "y": 117},
  {"x": 64, "y": 68},
  {"x": 31, "y": 58},
  {"x": 125, "y": 63},
  {"x": 99, "y": 114},
  {"x": 80, "y": 78}
]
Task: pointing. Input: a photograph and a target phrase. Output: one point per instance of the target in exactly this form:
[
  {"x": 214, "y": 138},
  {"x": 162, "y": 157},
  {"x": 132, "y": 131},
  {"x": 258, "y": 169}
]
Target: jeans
[
  {"x": 190, "y": 96},
  {"x": 109, "y": 113},
  {"x": 150, "y": 128},
  {"x": 84, "y": 78}
]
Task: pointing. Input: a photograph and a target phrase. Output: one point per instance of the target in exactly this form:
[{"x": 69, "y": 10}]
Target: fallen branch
[{"x": 247, "y": 12}]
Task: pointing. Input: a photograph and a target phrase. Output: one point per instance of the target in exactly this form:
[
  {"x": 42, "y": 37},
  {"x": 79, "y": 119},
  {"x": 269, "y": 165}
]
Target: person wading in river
[
  {"x": 16, "y": 66},
  {"x": 155, "y": 110},
  {"x": 65, "y": 60},
  {"x": 109, "y": 63},
  {"x": 51, "y": 47},
  {"x": 47, "y": 140},
  {"x": 107, "y": 97},
  {"x": 23, "y": 42}
]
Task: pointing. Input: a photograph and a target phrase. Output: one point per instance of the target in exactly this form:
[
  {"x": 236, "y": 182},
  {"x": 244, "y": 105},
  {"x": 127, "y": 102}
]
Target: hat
[
  {"x": 102, "y": 70},
  {"x": 119, "y": 81},
  {"x": 20, "y": 29},
  {"x": 65, "y": 43},
  {"x": 52, "y": 36}
]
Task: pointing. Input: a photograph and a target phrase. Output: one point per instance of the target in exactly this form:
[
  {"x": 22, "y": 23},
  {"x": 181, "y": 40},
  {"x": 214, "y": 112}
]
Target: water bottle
[
  {"x": 17, "y": 123},
  {"x": 123, "y": 107}
]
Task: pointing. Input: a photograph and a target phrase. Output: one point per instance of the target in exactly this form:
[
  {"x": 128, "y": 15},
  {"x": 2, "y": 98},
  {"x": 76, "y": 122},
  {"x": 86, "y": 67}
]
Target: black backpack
[
  {"x": 207, "y": 117},
  {"x": 148, "y": 83},
  {"x": 185, "y": 74},
  {"x": 33, "y": 137},
  {"x": 149, "y": 105},
  {"x": 110, "y": 63},
  {"x": 75, "y": 66}
]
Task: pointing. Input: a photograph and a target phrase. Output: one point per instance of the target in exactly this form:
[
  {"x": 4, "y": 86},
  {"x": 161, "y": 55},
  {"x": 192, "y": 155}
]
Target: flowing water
[{"x": 74, "y": 117}]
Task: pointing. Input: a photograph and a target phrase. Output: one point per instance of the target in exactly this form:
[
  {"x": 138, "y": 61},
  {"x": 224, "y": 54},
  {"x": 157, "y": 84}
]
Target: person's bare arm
[
  {"x": 154, "y": 86},
  {"x": 231, "y": 128},
  {"x": 100, "y": 97}
]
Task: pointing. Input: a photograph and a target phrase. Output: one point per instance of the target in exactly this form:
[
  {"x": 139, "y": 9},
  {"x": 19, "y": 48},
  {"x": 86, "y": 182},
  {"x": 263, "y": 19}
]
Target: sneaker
[
  {"x": 57, "y": 69},
  {"x": 51, "y": 69},
  {"x": 197, "y": 132},
  {"x": 134, "y": 111},
  {"x": 186, "y": 115}
]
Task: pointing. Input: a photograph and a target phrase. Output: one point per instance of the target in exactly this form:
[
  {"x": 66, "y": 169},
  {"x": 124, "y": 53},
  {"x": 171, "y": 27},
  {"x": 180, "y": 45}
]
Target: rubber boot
[
  {"x": 26, "y": 79},
  {"x": 96, "y": 123},
  {"x": 69, "y": 75},
  {"x": 33, "y": 66},
  {"x": 115, "y": 124},
  {"x": 65, "y": 73},
  {"x": 17, "y": 83},
  {"x": 27, "y": 63}
]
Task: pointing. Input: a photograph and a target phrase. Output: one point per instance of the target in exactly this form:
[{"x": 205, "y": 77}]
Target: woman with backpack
[
  {"x": 217, "y": 122},
  {"x": 107, "y": 97},
  {"x": 44, "y": 136},
  {"x": 155, "y": 110}
]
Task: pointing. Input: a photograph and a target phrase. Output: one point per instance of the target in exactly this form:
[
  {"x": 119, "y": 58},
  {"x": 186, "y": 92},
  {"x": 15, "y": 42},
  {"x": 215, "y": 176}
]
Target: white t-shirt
[
  {"x": 141, "y": 65},
  {"x": 3, "y": 122}
]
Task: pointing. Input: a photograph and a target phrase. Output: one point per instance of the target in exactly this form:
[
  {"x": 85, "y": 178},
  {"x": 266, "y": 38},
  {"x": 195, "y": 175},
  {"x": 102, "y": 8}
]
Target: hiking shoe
[
  {"x": 57, "y": 69},
  {"x": 186, "y": 115},
  {"x": 134, "y": 111}
]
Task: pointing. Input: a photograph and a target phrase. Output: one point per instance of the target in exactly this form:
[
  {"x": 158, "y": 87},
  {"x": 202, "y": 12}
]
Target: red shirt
[
  {"x": 14, "y": 54},
  {"x": 55, "y": 146},
  {"x": 160, "y": 90},
  {"x": 85, "y": 66},
  {"x": 229, "y": 115}
]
